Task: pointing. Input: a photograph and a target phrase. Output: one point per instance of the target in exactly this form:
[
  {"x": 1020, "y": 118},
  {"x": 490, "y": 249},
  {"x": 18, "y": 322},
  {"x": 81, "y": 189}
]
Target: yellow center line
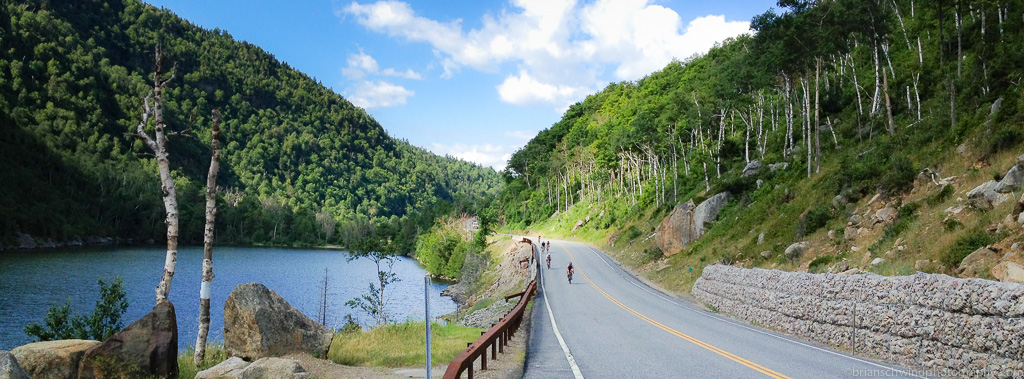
[{"x": 733, "y": 357}]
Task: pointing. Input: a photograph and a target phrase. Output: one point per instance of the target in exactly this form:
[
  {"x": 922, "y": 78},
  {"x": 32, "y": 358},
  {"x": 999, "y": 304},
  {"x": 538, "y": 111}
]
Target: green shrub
[
  {"x": 964, "y": 246},
  {"x": 943, "y": 195},
  {"x": 631, "y": 233},
  {"x": 899, "y": 175},
  {"x": 104, "y": 321},
  {"x": 820, "y": 264},
  {"x": 815, "y": 219}
]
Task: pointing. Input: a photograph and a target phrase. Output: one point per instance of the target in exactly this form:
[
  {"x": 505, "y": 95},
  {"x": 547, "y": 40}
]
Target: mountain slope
[
  {"x": 855, "y": 98},
  {"x": 301, "y": 163}
]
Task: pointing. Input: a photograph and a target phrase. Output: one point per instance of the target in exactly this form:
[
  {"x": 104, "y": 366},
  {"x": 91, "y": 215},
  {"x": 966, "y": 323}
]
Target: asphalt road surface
[{"x": 607, "y": 324}]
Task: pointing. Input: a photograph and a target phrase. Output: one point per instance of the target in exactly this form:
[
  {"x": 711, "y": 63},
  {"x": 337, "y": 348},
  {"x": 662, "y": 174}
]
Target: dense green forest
[
  {"x": 856, "y": 96},
  {"x": 301, "y": 165}
]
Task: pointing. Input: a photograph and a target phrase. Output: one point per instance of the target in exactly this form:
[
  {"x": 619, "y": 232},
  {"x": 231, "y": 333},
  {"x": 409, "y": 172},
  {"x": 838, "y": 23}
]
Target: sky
[{"x": 473, "y": 79}]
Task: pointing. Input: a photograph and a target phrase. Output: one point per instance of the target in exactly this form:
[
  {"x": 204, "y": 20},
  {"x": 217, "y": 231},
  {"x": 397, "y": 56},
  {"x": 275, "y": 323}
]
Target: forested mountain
[
  {"x": 856, "y": 96},
  {"x": 300, "y": 163}
]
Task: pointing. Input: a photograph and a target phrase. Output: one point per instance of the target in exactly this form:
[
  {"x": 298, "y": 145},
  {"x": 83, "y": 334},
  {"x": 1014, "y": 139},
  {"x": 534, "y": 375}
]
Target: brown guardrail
[{"x": 496, "y": 337}]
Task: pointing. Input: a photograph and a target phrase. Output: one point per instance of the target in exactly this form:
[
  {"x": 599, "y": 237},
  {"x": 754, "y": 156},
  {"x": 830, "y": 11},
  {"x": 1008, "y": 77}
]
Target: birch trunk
[
  {"x": 211, "y": 215},
  {"x": 158, "y": 145},
  {"x": 888, "y": 106}
]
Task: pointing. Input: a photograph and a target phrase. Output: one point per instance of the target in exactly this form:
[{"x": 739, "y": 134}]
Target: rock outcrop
[
  {"x": 52, "y": 359},
  {"x": 687, "y": 222},
  {"x": 264, "y": 368},
  {"x": 260, "y": 323},
  {"x": 796, "y": 250},
  {"x": 978, "y": 262},
  {"x": 147, "y": 347},
  {"x": 677, "y": 230},
  {"x": 1007, "y": 271},
  {"x": 960, "y": 327},
  {"x": 9, "y": 367},
  {"x": 992, "y": 193},
  {"x": 752, "y": 168}
]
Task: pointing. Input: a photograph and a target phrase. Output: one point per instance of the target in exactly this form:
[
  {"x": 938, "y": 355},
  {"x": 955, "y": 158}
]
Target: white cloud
[
  {"x": 495, "y": 156},
  {"x": 561, "y": 48},
  {"x": 379, "y": 94},
  {"x": 362, "y": 64}
]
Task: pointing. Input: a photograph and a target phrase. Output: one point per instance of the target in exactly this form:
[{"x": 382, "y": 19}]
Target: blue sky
[{"x": 473, "y": 79}]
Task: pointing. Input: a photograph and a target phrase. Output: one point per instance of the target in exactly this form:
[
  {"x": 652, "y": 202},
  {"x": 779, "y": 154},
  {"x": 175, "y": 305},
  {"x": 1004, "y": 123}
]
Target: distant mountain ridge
[{"x": 296, "y": 154}]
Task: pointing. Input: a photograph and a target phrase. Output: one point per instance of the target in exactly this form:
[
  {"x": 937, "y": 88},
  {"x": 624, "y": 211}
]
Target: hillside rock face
[
  {"x": 52, "y": 359},
  {"x": 960, "y": 327},
  {"x": 992, "y": 193},
  {"x": 687, "y": 222},
  {"x": 260, "y": 323},
  {"x": 147, "y": 347},
  {"x": 9, "y": 367}
]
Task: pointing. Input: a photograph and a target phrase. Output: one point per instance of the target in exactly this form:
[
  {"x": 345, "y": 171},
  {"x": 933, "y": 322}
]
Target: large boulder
[
  {"x": 52, "y": 359},
  {"x": 687, "y": 222},
  {"x": 1007, "y": 271},
  {"x": 259, "y": 323},
  {"x": 147, "y": 347},
  {"x": 1013, "y": 179},
  {"x": 264, "y": 368},
  {"x": 796, "y": 250},
  {"x": 26, "y": 241},
  {"x": 676, "y": 231},
  {"x": 708, "y": 210},
  {"x": 9, "y": 367},
  {"x": 987, "y": 195},
  {"x": 978, "y": 262},
  {"x": 751, "y": 168}
]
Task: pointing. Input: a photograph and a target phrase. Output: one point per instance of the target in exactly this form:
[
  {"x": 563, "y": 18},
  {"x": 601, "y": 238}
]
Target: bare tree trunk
[
  {"x": 211, "y": 216},
  {"x": 158, "y": 145},
  {"x": 888, "y": 106},
  {"x": 817, "y": 116}
]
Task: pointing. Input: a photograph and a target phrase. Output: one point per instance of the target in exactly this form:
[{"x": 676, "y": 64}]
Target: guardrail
[{"x": 496, "y": 337}]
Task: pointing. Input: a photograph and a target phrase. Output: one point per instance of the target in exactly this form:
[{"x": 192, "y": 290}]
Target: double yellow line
[{"x": 731, "y": 356}]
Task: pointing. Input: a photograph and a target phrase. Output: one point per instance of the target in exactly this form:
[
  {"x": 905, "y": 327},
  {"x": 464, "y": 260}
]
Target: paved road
[{"x": 610, "y": 325}]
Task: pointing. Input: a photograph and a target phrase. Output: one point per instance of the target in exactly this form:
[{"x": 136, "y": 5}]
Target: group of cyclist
[{"x": 545, "y": 247}]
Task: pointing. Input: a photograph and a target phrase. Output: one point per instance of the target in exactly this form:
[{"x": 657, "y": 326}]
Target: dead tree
[
  {"x": 211, "y": 215},
  {"x": 152, "y": 107}
]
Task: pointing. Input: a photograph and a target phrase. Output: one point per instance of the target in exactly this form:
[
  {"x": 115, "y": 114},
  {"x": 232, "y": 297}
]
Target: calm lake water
[{"x": 31, "y": 281}]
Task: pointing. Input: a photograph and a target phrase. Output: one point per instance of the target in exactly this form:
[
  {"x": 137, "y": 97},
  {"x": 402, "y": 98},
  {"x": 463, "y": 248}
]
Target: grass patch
[
  {"x": 820, "y": 264},
  {"x": 400, "y": 345},
  {"x": 215, "y": 354}
]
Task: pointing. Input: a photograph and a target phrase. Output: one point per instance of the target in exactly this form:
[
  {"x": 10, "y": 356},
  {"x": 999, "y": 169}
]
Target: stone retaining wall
[{"x": 944, "y": 325}]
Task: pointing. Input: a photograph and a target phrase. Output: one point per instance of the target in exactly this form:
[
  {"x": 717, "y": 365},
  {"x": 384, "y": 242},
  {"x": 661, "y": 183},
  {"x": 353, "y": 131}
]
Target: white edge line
[
  {"x": 787, "y": 339},
  {"x": 565, "y": 349}
]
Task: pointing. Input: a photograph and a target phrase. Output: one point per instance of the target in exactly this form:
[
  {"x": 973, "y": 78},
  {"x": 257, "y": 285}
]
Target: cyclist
[
  {"x": 569, "y": 270},
  {"x": 549, "y": 261}
]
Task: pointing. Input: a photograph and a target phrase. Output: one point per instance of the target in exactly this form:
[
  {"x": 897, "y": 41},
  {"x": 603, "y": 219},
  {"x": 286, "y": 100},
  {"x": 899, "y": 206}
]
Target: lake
[{"x": 31, "y": 280}]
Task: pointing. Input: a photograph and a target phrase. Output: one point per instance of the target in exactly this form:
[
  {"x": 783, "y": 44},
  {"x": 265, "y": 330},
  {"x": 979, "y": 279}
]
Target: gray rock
[
  {"x": 707, "y": 211},
  {"x": 275, "y": 368},
  {"x": 578, "y": 225},
  {"x": 264, "y": 368},
  {"x": 884, "y": 215},
  {"x": 922, "y": 264},
  {"x": 52, "y": 359},
  {"x": 778, "y": 166},
  {"x": 760, "y": 238},
  {"x": 9, "y": 367},
  {"x": 1012, "y": 181},
  {"x": 25, "y": 241},
  {"x": 759, "y": 183},
  {"x": 146, "y": 348},
  {"x": 259, "y": 323},
  {"x": 850, "y": 232},
  {"x": 855, "y": 219},
  {"x": 877, "y": 261},
  {"x": 766, "y": 254},
  {"x": 796, "y": 250},
  {"x": 230, "y": 368},
  {"x": 751, "y": 168},
  {"x": 839, "y": 202},
  {"x": 987, "y": 195},
  {"x": 831, "y": 234},
  {"x": 1020, "y": 218},
  {"x": 1015, "y": 246},
  {"x": 995, "y": 107}
]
